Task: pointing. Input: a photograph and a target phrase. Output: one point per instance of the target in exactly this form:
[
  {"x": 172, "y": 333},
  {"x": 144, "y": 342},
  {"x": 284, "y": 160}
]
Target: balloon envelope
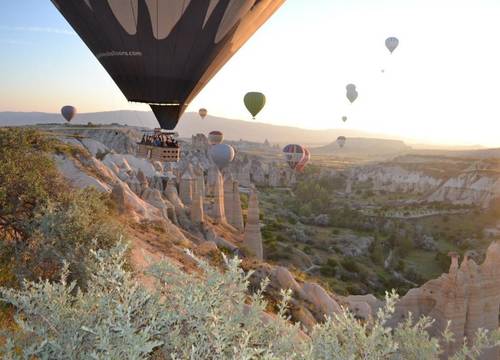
[
  {"x": 222, "y": 155},
  {"x": 351, "y": 92},
  {"x": 68, "y": 112},
  {"x": 391, "y": 43},
  {"x": 344, "y": 118},
  {"x": 215, "y": 137},
  {"x": 163, "y": 53},
  {"x": 203, "y": 113},
  {"x": 303, "y": 162},
  {"x": 293, "y": 154},
  {"x": 254, "y": 102}
]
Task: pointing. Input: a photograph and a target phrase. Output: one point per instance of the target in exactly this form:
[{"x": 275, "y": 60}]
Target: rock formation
[
  {"x": 232, "y": 202},
  {"x": 197, "y": 215},
  {"x": 468, "y": 296},
  {"x": 186, "y": 186},
  {"x": 218, "y": 213},
  {"x": 252, "y": 239},
  {"x": 200, "y": 179},
  {"x": 172, "y": 195}
]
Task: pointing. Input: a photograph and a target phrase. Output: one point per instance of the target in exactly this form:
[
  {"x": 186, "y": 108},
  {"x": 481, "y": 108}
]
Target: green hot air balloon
[{"x": 254, "y": 102}]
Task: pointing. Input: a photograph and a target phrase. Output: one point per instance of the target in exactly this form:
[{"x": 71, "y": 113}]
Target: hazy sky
[{"x": 441, "y": 85}]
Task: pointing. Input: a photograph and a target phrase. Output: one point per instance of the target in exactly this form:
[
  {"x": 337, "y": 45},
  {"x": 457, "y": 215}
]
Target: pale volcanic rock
[
  {"x": 197, "y": 215},
  {"x": 252, "y": 239},
  {"x": 304, "y": 316},
  {"x": 186, "y": 186},
  {"x": 153, "y": 197},
  {"x": 200, "y": 179},
  {"x": 218, "y": 212},
  {"x": 95, "y": 147},
  {"x": 143, "y": 181},
  {"x": 134, "y": 185},
  {"x": 77, "y": 176},
  {"x": 232, "y": 202},
  {"x": 172, "y": 195},
  {"x": 212, "y": 175},
  {"x": 132, "y": 163},
  {"x": 282, "y": 277},
  {"x": 468, "y": 296},
  {"x": 321, "y": 301}
]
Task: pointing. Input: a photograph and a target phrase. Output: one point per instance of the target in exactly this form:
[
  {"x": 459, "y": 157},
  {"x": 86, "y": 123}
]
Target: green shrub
[
  {"x": 350, "y": 264},
  {"x": 197, "y": 317}
]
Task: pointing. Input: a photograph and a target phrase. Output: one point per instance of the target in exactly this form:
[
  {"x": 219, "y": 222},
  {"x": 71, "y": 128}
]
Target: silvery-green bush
[{"x": 205, "y": 315}]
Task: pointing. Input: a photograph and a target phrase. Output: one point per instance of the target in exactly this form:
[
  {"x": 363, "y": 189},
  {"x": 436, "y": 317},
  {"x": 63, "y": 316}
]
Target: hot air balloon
[
  {"x": 351, "y": 92},
  {"x": 341, "y": 141},
  {"x": 303, "y": 162},
  {"x": 344, "y": 118},
  {"x": 293, "y": 154},
  {"x": 215, "y": 137},
  {"x": 163, "y": 53},
  {"x": 222, "y": 155},
  {"x": 254, "y": 102},
  {"x": 391, "y": 43},
  {"x": 203, "y": 113},
  {"x": 68, "y": 112}
]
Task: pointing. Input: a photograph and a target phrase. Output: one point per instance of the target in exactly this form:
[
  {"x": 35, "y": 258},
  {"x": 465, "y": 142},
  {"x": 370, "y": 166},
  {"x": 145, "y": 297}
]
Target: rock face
[
  {"x": 353, "y": 245},
  {"x": 197, "y": 215},
  {"x": 186, "y": 186},
  {"x": 472, "y": 187},
  {"x": 232, "y": 202},
  {"x": 468, "y": 295},
  {"x": 253, "y": 238},
  {"x": 218, "y": 211}
]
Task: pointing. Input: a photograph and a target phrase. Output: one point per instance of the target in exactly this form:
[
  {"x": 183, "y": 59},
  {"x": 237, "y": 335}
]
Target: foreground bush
[
  {"x": 193, "y": 317},
  {"x": 44, "y": 222}
]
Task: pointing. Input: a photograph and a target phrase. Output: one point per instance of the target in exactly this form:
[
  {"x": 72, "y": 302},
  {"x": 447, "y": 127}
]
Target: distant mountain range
[
  {"x": 355, "y": 147},
  {"x": 359, "y": 143},
  {"x": 192, "y": 124}
]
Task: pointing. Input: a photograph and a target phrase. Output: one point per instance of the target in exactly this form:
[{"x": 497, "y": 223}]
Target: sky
[{"x": 440, "y": 86}]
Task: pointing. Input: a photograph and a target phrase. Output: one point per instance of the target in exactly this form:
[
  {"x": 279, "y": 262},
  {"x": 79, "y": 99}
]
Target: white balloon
[{"x": 391, "y": 43}]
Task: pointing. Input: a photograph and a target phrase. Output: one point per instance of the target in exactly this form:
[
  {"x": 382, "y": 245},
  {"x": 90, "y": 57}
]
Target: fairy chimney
[
  {"x": 186, "y": 186},
  {"x": 253, "y": 238},
  {"x": 232, "y": 202}
]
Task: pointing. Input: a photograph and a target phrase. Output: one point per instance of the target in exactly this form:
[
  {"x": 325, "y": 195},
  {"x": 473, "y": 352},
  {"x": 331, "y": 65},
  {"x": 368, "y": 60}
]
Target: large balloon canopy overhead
[
  {"x": 293, "y": 154},
  {"x": 341, "y": 141},
  {"x": 391, "y": 43},
  {"x": 203, "y": 113},
  {"x": 215, "y": 137},
  {"x": 254, "y": 102},
  {"x": 351, "y": 92},
  {"x": 222, "y": 155},
  {"x": 68, "y": 112},
  {"x": 163, "y": 53}
]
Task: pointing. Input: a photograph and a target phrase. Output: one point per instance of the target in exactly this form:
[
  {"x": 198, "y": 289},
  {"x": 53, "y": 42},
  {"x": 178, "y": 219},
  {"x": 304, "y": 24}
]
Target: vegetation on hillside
[
  {"x": 312, "y": 222},
  {"x": 193, "y": 317},
  {"x": 43, "y": 222}
]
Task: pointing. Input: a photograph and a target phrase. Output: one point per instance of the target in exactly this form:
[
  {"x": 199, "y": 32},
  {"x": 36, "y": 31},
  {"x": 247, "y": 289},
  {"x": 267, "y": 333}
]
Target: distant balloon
[
  {"x": 344, "y": 118},
  {"x": 391, "y": 43},
  {"x": 215, "y": 137},
  {"x": 351, "y": 92},
  {"x": 302, "y": 163},
  {"x": 254, "y": 102},
  {"x": 222, "y": 155},
  {"x": 203, "y": 113},
  {"x": 294, "y": 154},
  {"x": 341, "y": 141},
  {"x": 68, "y": 112}
]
